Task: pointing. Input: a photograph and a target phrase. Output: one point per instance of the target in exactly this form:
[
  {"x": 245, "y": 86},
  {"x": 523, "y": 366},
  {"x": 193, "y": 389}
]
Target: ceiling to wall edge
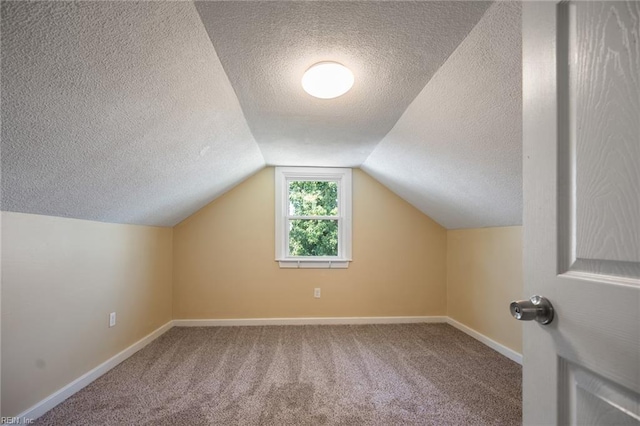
[
  {"x": 274, "y": 166},
  {"x": 245, "y": 179},
  {"x": 266, "y": 166}
]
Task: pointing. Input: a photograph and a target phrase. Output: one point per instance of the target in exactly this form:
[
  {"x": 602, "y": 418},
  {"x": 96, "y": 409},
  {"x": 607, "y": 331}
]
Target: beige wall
[
  {"x": 60, "y": 279},
  {"x": 224, "y": 263},
  {"x": 484, "y": 274}
]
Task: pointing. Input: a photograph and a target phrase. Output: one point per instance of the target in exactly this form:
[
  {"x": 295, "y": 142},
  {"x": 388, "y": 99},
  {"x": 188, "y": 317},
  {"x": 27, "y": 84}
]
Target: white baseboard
[
  {"x": 57, "y": 397},
  {"x": 509, "y": 353},
  {"x": 305, "y": 321}
]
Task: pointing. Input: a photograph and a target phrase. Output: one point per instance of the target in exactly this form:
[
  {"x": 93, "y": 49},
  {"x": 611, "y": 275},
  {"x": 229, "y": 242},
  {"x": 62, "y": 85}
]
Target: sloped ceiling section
[
  {"x": 393, "y": 48},
  {"x": 456, "y": 152},
  {"x": 116, "y": 112}
]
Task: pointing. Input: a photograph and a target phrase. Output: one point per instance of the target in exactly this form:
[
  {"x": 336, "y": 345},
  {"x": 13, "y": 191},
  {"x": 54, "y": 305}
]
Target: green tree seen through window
[{"x": 313, "y": 237}]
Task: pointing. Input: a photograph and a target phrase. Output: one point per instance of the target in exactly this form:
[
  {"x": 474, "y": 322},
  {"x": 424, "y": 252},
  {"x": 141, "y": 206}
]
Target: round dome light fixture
[{"x": 327, "y": 80}]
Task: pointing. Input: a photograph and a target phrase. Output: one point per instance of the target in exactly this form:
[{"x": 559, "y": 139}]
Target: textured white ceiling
[
  {"x": 122, "y": 111},
  {"x": 393, "y": 48},
  {"x": 456, "y": 152},
  {"x": 117, "y": 112}
]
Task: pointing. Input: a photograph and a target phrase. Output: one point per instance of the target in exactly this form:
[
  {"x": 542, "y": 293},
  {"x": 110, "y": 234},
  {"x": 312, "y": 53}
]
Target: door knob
[{"x": 537, "y": 308}]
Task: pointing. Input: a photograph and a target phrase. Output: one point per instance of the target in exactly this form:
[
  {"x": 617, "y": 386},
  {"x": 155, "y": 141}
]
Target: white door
[{"x": 581, "y": 88}]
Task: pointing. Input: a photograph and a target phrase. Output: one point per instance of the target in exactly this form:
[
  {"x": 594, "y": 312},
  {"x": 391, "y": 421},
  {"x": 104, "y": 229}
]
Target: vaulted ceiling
[
  {"x": 143, "y": 112},
  {"x": 393, "y": 50}
]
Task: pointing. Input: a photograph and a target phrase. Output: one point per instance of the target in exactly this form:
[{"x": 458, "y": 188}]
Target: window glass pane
[
  {"x": 310, "y": 237},
  {"x": 311, "y": 198}
]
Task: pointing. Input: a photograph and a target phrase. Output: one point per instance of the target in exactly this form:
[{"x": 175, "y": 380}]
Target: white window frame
[{"x": 283, "y": 175}]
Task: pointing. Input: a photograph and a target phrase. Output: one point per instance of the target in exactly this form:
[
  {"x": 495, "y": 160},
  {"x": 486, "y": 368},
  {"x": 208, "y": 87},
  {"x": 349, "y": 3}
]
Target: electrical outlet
[
  {"x": 112, "y": 319},
  {"x": 316, "y": 293}
]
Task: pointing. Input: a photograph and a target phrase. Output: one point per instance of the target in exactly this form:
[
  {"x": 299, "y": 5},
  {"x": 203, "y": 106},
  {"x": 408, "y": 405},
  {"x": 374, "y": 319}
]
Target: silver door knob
[{"x": 537, "y": 308}]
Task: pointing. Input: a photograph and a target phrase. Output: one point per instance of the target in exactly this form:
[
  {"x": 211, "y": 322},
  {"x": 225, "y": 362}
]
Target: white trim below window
[
  {"x": 314, "y": 264},
  {"x": 283, "y": 175}
]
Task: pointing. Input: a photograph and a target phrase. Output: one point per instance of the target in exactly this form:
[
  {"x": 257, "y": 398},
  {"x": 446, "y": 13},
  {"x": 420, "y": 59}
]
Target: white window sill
[{"x": 314, "y": 263}]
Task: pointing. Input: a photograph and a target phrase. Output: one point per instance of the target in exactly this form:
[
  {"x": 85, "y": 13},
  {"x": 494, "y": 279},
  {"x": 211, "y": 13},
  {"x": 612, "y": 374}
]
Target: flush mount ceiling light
[{"x": 327, "y": 80}]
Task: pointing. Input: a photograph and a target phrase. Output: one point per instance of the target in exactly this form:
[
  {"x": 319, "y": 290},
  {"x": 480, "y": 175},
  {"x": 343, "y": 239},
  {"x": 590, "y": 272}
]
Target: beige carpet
[{"x": 426, "y": 374}]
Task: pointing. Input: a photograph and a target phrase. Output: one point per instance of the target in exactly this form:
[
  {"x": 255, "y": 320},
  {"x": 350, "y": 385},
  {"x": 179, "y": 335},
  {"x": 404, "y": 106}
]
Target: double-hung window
[{"x": 313, "y": 217}]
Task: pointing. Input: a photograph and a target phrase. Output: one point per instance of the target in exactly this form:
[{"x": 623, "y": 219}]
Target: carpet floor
[{"x": 421, "y": 374}]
